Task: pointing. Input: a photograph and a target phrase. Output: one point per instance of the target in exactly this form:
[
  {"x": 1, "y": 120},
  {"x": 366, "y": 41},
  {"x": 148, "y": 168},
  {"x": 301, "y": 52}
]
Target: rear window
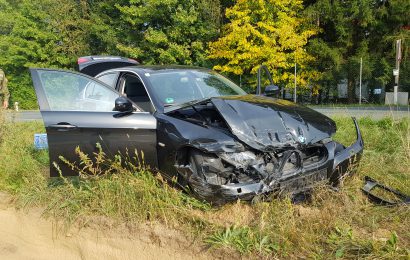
[{"x": 110, "y": 79}]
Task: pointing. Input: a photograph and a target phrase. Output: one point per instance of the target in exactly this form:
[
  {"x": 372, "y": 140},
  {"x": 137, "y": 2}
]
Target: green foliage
[
  {"x": 358, "y": 29},
  {"x": 20, "y": 164},
  {"x": 167, "y": 32},
  {"x": 325, "y": 38},
  {"x": 39, "y": 33},
  {"x": 46, "y": 33},
  {"x": 243, "y": 239},
  {"x": 112, "y": 188}
]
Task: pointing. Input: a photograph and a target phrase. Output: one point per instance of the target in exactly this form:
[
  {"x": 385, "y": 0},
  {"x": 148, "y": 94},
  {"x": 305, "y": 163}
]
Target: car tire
[{"x": 202, "y": 184}]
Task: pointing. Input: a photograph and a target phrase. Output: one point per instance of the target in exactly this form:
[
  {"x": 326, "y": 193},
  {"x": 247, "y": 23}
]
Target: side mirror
[
  {"x": 271, "y": 90},
  {"x": 122, "y": 104}
]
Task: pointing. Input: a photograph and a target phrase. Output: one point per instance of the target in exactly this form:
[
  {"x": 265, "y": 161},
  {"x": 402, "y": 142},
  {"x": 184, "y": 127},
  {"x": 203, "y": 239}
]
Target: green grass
[
  {"x": 341, "y": 224},
  {"x": 356, "y": 105}
]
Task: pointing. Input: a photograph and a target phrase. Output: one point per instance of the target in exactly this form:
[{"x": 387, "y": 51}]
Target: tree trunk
[
  {"x": 351, "y": 95},
  {"x": 319, "y": 98},
  {"x": 328, "y": 86}
]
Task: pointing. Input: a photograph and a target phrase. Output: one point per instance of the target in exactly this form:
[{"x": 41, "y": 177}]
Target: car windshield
[{"x": 176, "y": 87}]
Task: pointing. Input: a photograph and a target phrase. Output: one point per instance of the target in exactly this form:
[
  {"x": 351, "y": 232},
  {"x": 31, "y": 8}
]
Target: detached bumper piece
[
  {"x": 371, "y": 185},
  {"x": 347, "y": 157}
]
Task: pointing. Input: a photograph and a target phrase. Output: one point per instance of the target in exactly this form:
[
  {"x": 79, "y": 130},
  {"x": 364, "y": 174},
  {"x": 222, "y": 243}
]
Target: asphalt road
[
  {"x": 372, "y": 112},
  {"x": 23, "y": 116}
]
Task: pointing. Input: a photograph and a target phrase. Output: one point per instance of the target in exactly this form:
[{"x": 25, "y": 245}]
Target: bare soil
[{"x": 25, "y": 234}]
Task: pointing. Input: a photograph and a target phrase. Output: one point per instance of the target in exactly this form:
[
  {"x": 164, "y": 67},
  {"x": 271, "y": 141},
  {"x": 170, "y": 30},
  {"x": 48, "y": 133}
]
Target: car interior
[{"x": 136, "y": 92}]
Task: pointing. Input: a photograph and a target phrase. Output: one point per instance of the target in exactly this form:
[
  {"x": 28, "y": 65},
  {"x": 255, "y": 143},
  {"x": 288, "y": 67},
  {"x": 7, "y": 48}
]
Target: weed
[{"x": 243, "y": 239}]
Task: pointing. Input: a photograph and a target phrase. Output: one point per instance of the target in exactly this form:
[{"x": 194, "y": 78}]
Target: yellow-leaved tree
[{"x": 269, "y": 32}]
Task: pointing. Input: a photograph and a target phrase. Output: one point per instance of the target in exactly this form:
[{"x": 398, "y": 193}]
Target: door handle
[{"x": 63, "y": 126}]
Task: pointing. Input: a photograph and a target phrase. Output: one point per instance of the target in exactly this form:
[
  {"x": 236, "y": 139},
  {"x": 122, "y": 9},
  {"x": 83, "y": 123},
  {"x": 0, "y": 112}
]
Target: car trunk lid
[{"x": 93, "y": 65}]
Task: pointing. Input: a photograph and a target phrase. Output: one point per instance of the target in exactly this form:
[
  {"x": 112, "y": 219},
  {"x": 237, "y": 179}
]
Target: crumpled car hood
[{"x": 266, "y": 123}]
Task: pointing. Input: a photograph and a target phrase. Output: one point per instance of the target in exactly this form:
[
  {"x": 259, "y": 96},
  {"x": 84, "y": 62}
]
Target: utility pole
[
  {"x": 360, "y": 84},
  {"x": 396, "y": 72},
  {"x": 294, "y": 95}
]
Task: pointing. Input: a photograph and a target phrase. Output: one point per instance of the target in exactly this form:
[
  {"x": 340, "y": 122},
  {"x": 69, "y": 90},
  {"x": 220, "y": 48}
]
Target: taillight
[
  {"x": 132, "y": 60},
  {"x": 82, "y": 60}
]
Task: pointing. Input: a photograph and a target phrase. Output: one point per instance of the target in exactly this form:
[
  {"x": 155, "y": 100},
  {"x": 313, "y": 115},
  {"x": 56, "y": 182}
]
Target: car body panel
[{"x": 175, "y": 134}]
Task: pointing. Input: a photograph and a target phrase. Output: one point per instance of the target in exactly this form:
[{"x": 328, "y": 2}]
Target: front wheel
[{"x": 205, "y": 179}]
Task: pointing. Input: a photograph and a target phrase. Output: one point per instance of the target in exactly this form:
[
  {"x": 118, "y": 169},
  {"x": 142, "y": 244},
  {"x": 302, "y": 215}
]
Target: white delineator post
[
  {"x": 397, "y": 71},
  {"x": 360, "y": 84}
]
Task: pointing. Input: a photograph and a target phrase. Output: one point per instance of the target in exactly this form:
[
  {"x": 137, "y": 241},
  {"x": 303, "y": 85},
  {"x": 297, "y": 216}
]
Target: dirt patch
[
  {"x": 238, "y": 214},
  {"x": 382, "y": 234},
  {"x": 307, "y": 212},
  {"x": 26, "y": 235}
]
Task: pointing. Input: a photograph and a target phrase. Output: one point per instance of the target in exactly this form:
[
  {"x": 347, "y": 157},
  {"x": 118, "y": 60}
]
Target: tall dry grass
[{"x": 342, "y": 224}]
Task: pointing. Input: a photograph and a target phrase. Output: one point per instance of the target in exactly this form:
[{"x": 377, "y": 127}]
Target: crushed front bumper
[{"x": 337, "y": 164}]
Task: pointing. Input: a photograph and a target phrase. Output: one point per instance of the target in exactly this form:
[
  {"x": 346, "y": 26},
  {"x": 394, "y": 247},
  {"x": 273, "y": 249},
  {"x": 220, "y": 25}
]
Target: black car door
[{"x": 78, "y": 111}]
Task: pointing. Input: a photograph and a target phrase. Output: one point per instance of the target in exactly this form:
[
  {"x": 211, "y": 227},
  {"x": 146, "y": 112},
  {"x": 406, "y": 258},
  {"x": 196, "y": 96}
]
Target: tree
[
  {"x": 328, "y": 62},
  {"x": 168, "y": 32},
  {"x": 39, "y": 33},
  {"x": 392, "y": 23},
  {"x": 47, "y": 33},
  {"x": 269, "y": 32},
  {"x": 356, "y": 29}
]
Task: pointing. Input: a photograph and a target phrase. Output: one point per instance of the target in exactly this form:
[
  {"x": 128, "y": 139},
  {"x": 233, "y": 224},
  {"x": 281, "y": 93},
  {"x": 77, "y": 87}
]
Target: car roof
[{"x": 158, "y": 68}]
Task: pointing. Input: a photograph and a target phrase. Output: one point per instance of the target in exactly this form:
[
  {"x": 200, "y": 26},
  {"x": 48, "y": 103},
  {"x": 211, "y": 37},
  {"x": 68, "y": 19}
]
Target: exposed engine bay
[{"x": 204, "y": 115}]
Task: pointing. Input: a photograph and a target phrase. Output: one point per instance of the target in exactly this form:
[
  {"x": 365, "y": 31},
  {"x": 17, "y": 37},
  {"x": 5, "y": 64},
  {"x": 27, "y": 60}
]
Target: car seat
[{"x": 136, "y": 92}]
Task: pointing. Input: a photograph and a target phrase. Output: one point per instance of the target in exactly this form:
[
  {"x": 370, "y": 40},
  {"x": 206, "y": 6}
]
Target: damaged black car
[{"x": 192, "y": 125}]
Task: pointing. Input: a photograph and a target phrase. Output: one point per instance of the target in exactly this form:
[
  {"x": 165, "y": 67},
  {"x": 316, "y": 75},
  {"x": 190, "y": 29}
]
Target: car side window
[
  {"x": 67, "y": 91},
  {"x": 135, "y": 90},
  {"x": 110, "y": 79}
]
